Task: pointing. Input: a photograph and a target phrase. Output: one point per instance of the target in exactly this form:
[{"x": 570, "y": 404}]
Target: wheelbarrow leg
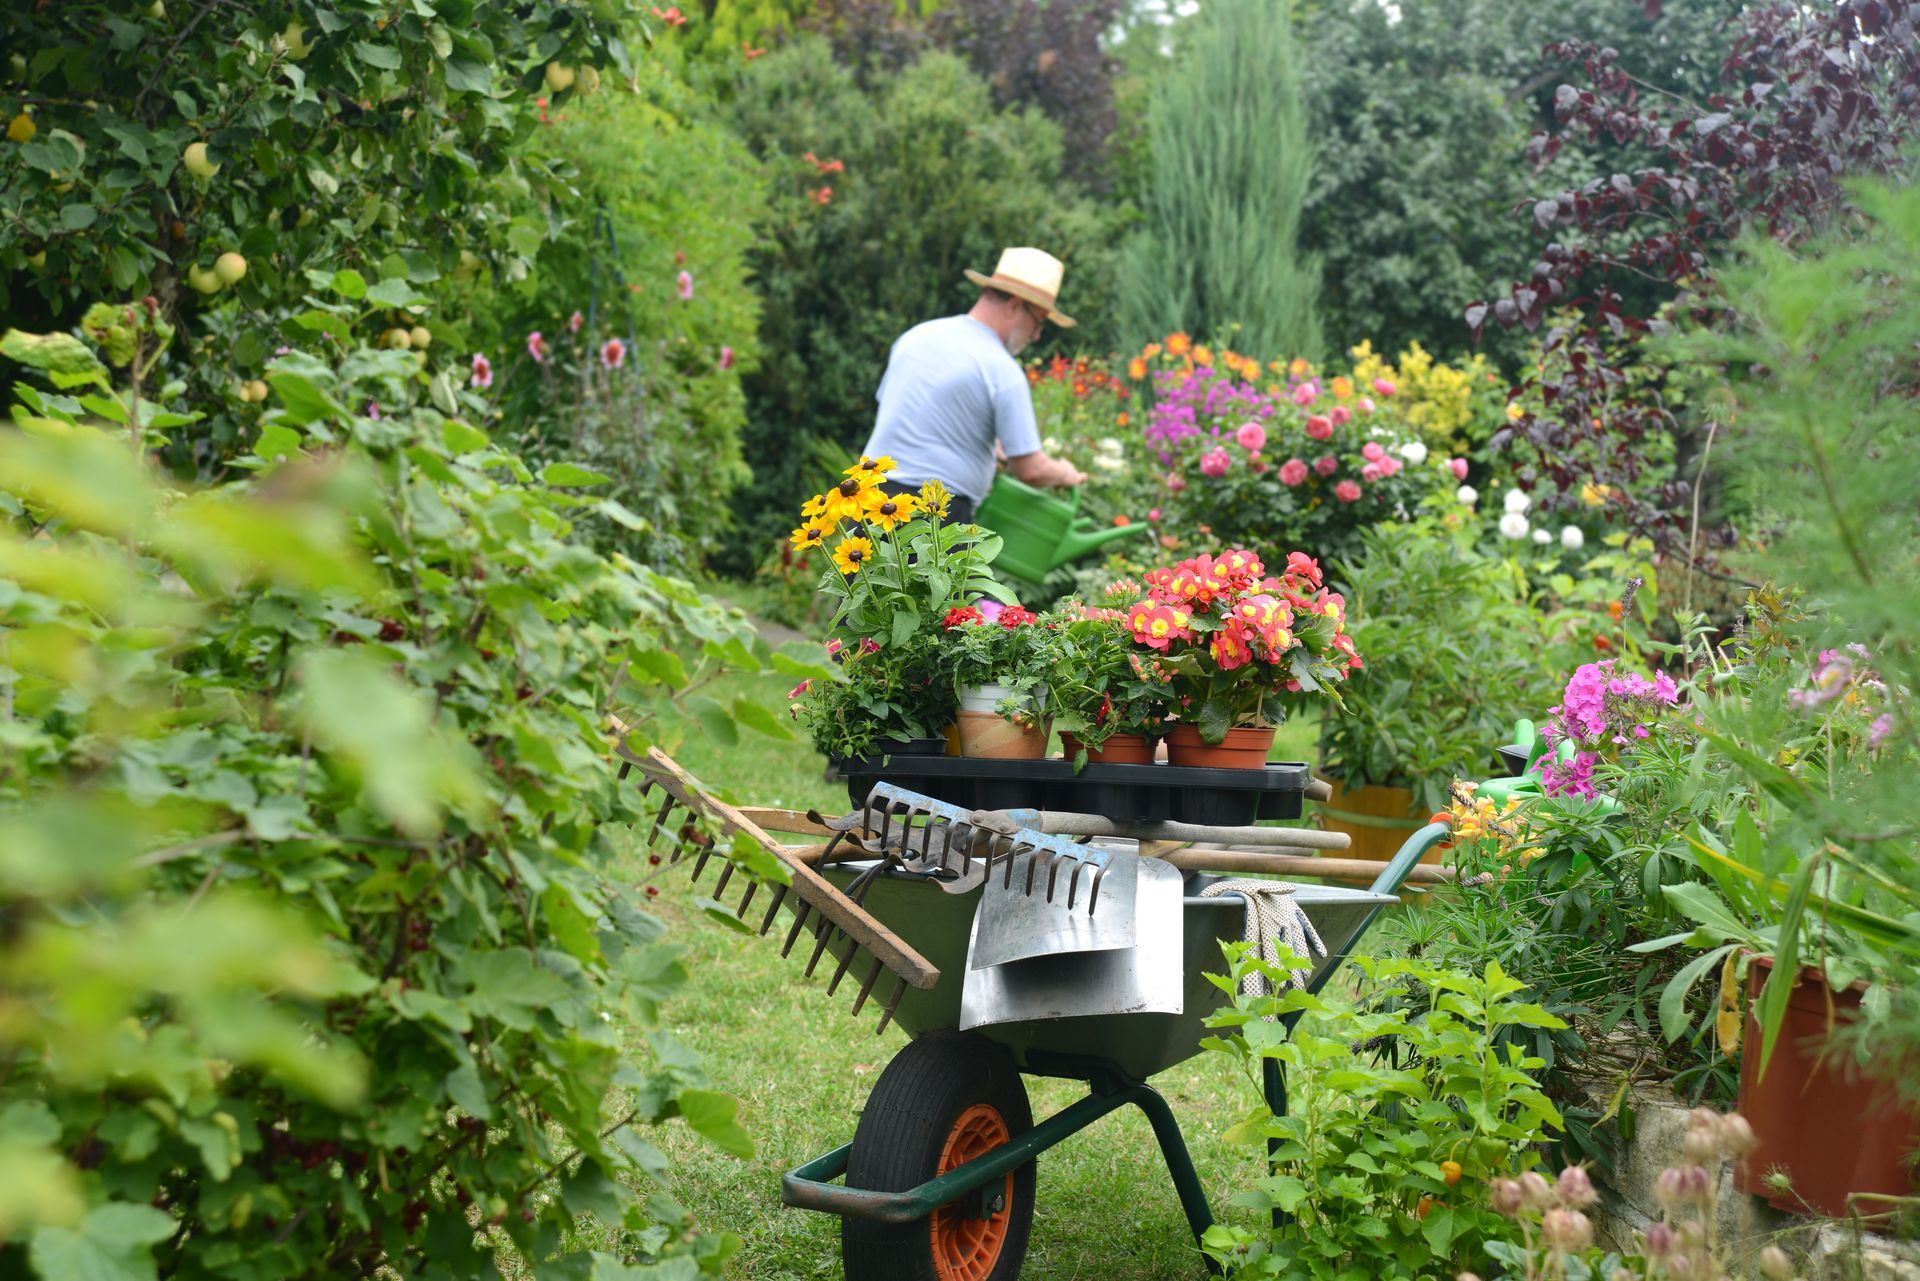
[
  {"x": 1173, "y": 1146},
  {"x": 1275, "y": 1080}
]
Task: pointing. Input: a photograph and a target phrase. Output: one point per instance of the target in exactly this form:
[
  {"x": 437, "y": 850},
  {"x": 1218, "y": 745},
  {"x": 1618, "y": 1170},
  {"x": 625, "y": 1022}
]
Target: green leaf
[
  {"x": 566, "y": 475},
  {"x": 377, "y": 55},
  {"x": 464, "y": 1088},
  {"x": 349, "y": 283},
  {"x": 1698, "y": 902},
  {"x": 711, "y": 1114},
  {"x": 57, "y": 354},
  {"x": 78, "y": 217},
  {"x": 1786, "y": 963},
  {"x": 1673, "y": 998},
  {"x": 303, "y": 385},
  {"x": 508, "y": 986},
  {"x": 462, "y": 437},
  {"x": 394, "y": 291},
  {"x": 661, "y": 665},
  {"x": 466, "y": 75},
  {"x": 113, "y": 1243},
  {"x": 715, "y": 910},
  {"x": 713, "y": 718},
  {"x": 756, "y": 716}
]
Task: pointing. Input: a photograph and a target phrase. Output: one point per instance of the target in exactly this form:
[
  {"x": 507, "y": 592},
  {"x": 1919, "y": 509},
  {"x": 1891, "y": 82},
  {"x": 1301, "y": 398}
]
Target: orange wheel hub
[{"x": 967, "y": 1249}]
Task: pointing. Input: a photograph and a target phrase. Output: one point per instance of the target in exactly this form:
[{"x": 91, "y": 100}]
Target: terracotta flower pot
[
  {"x": 1243, "y": 748},
  {"x": 1119, "y": 749},
  {"x": 1832, "y": 1129},
  {"x": 1376, "y": 819},
  {"x": 990, "y": 735}
]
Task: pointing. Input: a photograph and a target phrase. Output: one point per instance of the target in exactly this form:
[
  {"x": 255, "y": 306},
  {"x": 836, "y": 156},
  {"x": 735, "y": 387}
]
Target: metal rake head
[{"x": 686, "y": 815}]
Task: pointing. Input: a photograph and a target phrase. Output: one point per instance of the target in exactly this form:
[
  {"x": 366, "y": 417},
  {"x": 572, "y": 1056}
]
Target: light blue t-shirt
[{"x": 950, "y": 389}]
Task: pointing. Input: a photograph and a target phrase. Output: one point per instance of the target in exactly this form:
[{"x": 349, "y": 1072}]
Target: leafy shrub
[
  {"x": 1402, "y": 1104},
  {"x": 306, "y": 816}
]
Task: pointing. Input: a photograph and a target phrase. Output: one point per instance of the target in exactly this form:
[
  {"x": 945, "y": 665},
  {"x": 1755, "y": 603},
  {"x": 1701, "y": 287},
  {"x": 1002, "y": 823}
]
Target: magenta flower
[
  {"x": 1458, "y": 466},
  {"x": 1306, "y": 393},
  {"x": 613, "y": 353},
  {"x": 1878, "y": 731},
  {"x": 1252, "y": 437},
  {"x": 800, "y": 689},
  {"x": 726, "y": 358},
  {"x": 686, "y": 286},
  {"x": 373, "y": 410},
  {"x": 1340, "y": 414},
  {"x": 990, "y": 610},
  {"x": 1383, "y": 387},
  {"x": 537, "y": 347},
  {"x": 1319, "y": 426},
  {"x": 1347, "y": 492},
  {"x": 1175, "y": 482},
  {"x": 482, "y": 372},
  {"x": 835, "y": 646},
  {"x": 574, "y": 322},
  {"x": 1326, "y": 465},
  {"x": 1153, "y": 516},
  {"x": 1215, "y": 462},
  {"x": 1372, "y": 452},
  {"x": 1292, "y": 472}
]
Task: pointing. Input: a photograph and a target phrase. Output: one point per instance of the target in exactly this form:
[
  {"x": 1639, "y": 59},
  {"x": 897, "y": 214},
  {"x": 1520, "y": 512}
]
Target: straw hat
[{"x": 1029, "y": 274}]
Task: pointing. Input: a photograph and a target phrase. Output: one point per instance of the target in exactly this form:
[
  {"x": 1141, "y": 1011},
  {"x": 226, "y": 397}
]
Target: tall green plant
[
  {"x": 308, "y": 947},
  {"x": 1231, "y": 162}
]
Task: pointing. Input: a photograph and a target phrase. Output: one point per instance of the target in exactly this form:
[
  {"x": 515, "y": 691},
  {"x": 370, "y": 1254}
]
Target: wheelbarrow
[
  {"x": 940, "y": 1174},
  {"x": 1039, "y": 531}
]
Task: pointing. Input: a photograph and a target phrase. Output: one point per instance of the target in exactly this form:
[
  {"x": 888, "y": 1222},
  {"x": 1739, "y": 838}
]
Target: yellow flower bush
[{"x": 1436, "y": 398}]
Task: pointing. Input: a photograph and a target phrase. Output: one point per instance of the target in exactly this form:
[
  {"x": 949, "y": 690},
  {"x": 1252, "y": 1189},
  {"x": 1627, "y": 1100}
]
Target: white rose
[
  {"x": 1543, "y": 536},
  {"x": 1517, "y": 500},
  {"x": 1414, "y": 452},
  {"x": 1513, "y": 525},
  {"x": 1467, "y": 494},
  {"x": 1573, "y": 538}
]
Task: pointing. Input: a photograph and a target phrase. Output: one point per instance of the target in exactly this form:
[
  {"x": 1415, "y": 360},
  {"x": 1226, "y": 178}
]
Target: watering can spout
[{"x": 1083, "y": 537}]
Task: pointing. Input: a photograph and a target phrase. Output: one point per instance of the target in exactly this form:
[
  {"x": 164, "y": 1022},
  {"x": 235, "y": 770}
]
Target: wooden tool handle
[{"x": 1301, "y": 864}]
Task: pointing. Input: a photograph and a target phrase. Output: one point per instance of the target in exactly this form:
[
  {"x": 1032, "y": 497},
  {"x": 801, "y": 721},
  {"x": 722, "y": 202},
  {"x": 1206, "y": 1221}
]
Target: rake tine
[
  {"x": 1033, "y": 868},
  {"x": 800, "y": 915},
  {"x": 1053, "y": 875},
  {"x": 779, "y": 895},
  {"x": 747, "y": 898},
  {"x": 626, "y": 768},
  {"x": 1073, "y": 882},
  {"x": 866, "y": 985},
  {"x": 1093, "y": 888},
  {"x": 726, "y": 874},
  {"x": 886, "y": 1015},
  {"x": 886, "y": 822},
  {"x": 823, "y": 936},
  {"x": 660, "y": 820},
  {"x": 840, "y": 971}
]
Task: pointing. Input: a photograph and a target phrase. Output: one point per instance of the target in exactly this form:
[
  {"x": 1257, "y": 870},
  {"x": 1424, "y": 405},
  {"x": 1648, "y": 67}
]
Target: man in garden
[{"x": 954, "y": 399}]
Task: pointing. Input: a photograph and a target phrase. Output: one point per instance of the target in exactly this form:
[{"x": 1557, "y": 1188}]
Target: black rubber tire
[{"x": 898, "y": 1142}]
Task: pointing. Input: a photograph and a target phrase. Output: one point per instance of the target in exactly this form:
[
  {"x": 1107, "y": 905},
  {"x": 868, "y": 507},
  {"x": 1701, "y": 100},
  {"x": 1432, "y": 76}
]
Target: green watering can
[
  {"x": 1526, "y": 784},
  {"x": 1040, "y": 532}
]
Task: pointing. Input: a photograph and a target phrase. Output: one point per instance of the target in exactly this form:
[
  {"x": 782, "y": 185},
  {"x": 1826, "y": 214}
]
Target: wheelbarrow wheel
[{"x": 945, "y": 1099}]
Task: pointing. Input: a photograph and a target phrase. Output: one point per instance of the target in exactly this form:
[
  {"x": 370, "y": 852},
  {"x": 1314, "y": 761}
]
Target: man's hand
[{"x": 1043, "y": 471}]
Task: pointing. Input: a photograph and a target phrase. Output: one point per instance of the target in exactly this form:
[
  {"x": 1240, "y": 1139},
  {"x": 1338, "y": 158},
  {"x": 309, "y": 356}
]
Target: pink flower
[
  {"x": 1326, "y": 465},
  {"x": 1366, "y": 404},
  {"x": 868, "y": 645},
  {"x": 1372, "y": 452},
  {"x": 1215, "y": 462},
  {"x": 1371, "y": 472},
  {"x": 800, "y": 689},
  {"x": 1252, "y": 437},
  {"x": 1306, "y": 393},
  {"x": 1384, "y": 387},
  {"x": 1340, "y": 414},
  {"x": 613, "y": 353},
  {"x": 1320, "y": 427},
  {"x": 1292, "y": 472},
  {"x": 537, "y": 347},
  {"x": 574, "y": 322},
  {"x": 1258, "y": 464},
  {"x": 1175, "y": 482},
  {"x": 726, "y": 358},
  {"x": 1153, "y": 516},
  {"x": 1878, "y": 731},
  {"x": 1389, "y": 465},
  {"x": 1347, "y": 492},
  {"x": 1458, "y": 466},
  {"x": 990, "y": 610},
  {"x": 686, "y": 286},
  {"x": 373, "y": 410},
  {"x": 835, "y": 646},
  {"x": 482, "y": 371}
]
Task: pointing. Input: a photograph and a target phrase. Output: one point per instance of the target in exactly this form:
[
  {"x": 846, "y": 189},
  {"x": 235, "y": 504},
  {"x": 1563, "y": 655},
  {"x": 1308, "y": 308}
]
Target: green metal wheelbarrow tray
[{"x": 940, "y": 1172}]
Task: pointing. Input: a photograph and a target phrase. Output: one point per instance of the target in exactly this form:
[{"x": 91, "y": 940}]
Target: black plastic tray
[{"x": 1131, "y": 793}]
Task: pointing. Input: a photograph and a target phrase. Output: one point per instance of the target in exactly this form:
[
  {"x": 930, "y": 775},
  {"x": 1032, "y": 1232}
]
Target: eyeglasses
[{"x": 1039, "y": 315}]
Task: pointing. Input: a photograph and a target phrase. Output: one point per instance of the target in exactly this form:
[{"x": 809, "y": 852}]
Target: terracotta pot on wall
[
  {"x": 1377, "y": 819},
  {"x": 1834, "y": 1130},
  {"x": 1244, "y": 748},
  {"x": 1119, "y": 749}
]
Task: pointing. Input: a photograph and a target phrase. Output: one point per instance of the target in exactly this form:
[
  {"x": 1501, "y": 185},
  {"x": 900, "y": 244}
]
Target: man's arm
[{"x": 1044, "y": 471}]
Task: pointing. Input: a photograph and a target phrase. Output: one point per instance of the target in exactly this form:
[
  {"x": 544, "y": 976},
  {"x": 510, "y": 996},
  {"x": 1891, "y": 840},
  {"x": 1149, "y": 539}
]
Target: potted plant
[
  {"x": 885, "y": 700},
  {"x": 1105, "y": 696},
  {"x": 997, "y": 657},
  {"x": 1455, "y": 653},
  {"x": 1236, "y": 644}
]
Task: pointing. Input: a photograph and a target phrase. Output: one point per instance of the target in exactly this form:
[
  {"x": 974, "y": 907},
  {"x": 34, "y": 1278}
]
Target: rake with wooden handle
[{"x": 685, "y": 816}]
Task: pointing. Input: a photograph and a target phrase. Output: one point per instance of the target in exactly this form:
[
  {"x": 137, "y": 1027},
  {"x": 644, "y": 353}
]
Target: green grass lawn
[{"x": 802, "y": 1066}]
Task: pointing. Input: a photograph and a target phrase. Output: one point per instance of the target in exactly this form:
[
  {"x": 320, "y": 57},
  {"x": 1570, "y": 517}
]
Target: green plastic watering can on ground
[
  {"x": 1040, "y": 532},
  {"x": 1526, "y": 785}
]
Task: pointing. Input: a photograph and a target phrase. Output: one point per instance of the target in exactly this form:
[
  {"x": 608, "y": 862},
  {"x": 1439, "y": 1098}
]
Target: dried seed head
[
  {"x": 1775, "y": 1265},
  {"x": 1736, "y": 1136},
  {"x": 1566, "y": 1231},
  {"x": 1700, "y": 1146},
  {"x": 1659, "y": 1241},
  {"x": 1535, "y": 1192},
  {"x": 1506, "y": 1196},
  {"x": 1575, "y": 1188}
]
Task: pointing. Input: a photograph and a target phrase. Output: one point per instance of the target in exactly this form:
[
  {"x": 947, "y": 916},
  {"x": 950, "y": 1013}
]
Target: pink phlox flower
[
  {"x": 686, "y": 286},
  {"x": 990, "y": 610},
  {"x": 1567, "y": 778},
  {"x": 373, "y": 410},
  {"x": 1878, "y": 732}
]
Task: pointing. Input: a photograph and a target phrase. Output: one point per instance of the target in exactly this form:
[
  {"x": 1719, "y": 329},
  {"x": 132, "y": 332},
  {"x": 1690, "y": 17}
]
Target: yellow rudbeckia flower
[
  {"x": 890, "y": 510},
  {"x": 846, "y": 501},
  {"x": 809, "y": 535},
  {"x": 870, "y": 470},
  {"x": 934, "y": 498},
  {"x": 851, "y": 553}
]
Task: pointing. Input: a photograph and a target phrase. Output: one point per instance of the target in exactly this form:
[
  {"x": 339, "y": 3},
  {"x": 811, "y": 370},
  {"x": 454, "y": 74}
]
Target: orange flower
[
  {"x": 820, "y": 195},
  {"x": 1299, "y": 368},
  {"x": 1342, "y": 388},
  {"x": 1136, "y": 369},
  {"x": 1149, "y": 351},
  {"x": 1178, "y": 344},
  {"x": 1121, "y": 419},
  {"x": 1202, "y": 356}
]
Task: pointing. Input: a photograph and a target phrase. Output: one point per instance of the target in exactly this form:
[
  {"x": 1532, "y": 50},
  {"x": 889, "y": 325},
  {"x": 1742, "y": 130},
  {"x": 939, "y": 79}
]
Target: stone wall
[{"x": 1828, "y": 1249}]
